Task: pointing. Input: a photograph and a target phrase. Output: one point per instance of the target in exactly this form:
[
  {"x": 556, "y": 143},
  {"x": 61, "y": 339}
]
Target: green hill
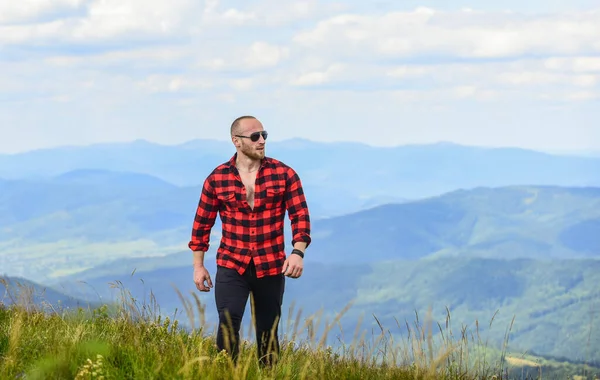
[
  {"x": 510, "y": 222},
  {"x": 554, "y": 303}
]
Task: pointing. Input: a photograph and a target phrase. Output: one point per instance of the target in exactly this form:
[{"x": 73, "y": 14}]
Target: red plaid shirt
[{"x": 251, "y": 233}]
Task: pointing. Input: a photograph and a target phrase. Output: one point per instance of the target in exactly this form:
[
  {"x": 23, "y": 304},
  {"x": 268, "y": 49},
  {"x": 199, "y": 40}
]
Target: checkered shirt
[{"x": 251, "y": 233}]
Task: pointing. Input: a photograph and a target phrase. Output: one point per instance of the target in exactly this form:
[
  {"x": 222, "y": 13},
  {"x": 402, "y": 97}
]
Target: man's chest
[
  {"x": 248, "y": 182},
  {"x": 259, "y": 192}
]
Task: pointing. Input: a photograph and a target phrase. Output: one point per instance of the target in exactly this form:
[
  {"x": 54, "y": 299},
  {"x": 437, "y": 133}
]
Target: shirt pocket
[
  {"x": 228, "y": 200},
  {"x": 274, "y": 197}
]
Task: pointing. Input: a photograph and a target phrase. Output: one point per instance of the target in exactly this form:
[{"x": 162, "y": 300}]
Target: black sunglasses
[{"x": 255, "y": 136}]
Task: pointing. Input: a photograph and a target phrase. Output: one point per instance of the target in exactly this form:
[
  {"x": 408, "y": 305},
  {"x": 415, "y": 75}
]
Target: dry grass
[
  {"x": 133, "y": 341},
  {"x": 517, "y": 362}
]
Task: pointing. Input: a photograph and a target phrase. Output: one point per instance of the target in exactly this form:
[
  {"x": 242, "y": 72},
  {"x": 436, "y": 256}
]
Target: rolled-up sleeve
[
  {"x": 206, "y": 213},
  {"x": 297, "y": 208}
]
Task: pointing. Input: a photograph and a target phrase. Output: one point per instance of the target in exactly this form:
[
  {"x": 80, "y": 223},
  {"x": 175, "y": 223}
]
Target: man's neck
[{"x": 247, "y": 164}]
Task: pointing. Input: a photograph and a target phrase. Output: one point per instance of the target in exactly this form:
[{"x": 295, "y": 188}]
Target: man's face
[{"x": 254, "y": 150}]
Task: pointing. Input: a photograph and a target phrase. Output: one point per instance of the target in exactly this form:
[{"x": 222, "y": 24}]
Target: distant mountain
[
  {"x": 108, "y": 178},
  {"x": 58, "y": 235},
  {"x": 85, "y": 217},
  {"x": 340, "y": 173},
  {"x": 575, "y": 152},
  {"x": 510, "y": 222},
  {"x": 183, "y": 164},
  {"x": 96, "y": 204},
  {"x": 552, "y": 301}
]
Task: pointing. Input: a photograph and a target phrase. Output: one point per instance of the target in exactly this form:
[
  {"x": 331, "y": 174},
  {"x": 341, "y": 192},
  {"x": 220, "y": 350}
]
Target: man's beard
[{"x": 252, "y": 153}]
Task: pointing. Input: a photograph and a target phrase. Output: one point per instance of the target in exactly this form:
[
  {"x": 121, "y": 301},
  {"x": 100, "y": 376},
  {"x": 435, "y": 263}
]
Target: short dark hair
[{"x": 236, "y": 123}]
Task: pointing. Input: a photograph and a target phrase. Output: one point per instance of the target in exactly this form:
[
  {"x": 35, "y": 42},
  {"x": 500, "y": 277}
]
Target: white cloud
[
  {"x": 262, "y": 54},
  {"x": 211, "y": 15},
  {"x": 406, "y": 71},
  {"x": 275, "y": 13},
  {"x": 583, "y": 95},
  {"x": 173, "y": 83},
  {"x": 26, "y": 10},
  {"x": 529, "y": 78},
  {"x": 576, "y": 64},
  {"x": 542, "y": 77},
  {"x": 465, "y": 91},
  {"x": 519, "y": 79},
  {"x": 244, "y": 84},
  {"x": 315, "y": 78},
  {"x": 135, "y": 63},
  {"x": 254, "y": 56},
  {"x": 133, "y": 57},
  {"x": 113, "y": 20},
  {"x": 456, "y": 34},
  {"x": 586, "y": 80},
  {"x": 311, "y": 79},
  {"x": 271, "y": 13},
  {"x": 226, "y": 97}
]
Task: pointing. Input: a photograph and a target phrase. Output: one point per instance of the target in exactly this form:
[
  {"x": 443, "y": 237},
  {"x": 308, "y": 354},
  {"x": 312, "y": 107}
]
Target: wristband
[{"x": 298, "y": 252}]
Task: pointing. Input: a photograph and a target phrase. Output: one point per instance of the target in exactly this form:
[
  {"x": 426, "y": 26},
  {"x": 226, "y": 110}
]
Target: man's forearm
[
  {"x": 301, "y": 245},
  {"x": 198, "y": 259}
]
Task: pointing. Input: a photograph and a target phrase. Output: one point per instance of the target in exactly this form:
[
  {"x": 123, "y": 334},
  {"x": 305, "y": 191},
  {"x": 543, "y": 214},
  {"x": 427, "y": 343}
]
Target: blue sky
[{"x": 508, "y": 73}]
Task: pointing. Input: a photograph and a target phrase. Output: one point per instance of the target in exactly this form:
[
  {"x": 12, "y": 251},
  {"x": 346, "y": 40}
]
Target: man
[{"x": 251, "y": 192}]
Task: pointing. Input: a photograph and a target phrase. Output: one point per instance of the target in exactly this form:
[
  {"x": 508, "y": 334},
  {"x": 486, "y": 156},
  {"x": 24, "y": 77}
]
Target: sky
[{"x": 487, "y": 73}]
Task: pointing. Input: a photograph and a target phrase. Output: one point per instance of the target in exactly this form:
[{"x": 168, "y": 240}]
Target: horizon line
[{"x": 568, "y": 152}]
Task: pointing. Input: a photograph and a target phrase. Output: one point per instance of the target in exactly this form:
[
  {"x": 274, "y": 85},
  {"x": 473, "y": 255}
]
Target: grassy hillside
[
  {"x": 122, "y": 343},
  {"x": 554, "y": 303}
]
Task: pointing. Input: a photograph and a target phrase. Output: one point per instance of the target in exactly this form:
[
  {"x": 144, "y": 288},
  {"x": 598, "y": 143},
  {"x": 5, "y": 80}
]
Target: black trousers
[{"x": 232, "y": 291}]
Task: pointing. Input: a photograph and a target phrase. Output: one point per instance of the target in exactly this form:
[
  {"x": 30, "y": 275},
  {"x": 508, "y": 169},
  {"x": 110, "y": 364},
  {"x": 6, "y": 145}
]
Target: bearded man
[{"x": 251, "y": 192}]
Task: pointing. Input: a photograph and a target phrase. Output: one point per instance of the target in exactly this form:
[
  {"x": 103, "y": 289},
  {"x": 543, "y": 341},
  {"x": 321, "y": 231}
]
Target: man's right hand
[{"x": 200, "y": 277}]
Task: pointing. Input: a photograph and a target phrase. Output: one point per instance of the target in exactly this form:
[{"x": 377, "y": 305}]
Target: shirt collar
[{"x": 266, "y": 161}]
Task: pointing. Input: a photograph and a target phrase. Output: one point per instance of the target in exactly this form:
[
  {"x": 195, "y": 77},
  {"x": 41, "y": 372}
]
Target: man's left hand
[{"x": 293, "y": 266}]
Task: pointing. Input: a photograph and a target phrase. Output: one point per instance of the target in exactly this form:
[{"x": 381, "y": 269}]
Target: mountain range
[
  {"x": 339, "y": 177},
  {"x": 80, "y": 220}
]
